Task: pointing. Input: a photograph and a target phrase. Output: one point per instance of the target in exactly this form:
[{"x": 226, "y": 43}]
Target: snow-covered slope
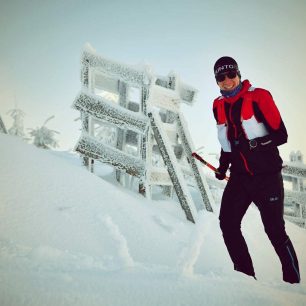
[{"x": 68, "y": 237}]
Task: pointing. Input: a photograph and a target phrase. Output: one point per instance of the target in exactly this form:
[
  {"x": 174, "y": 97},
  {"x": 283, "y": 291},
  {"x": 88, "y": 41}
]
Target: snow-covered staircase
[{"x": 173, "y": 168}]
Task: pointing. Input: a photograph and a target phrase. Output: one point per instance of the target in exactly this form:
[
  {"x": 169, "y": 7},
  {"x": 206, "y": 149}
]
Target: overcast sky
[{"x": 41, "y": 44}]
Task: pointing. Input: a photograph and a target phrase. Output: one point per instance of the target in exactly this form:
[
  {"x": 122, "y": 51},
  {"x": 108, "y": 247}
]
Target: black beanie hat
[{"x": 225, "y": 64}]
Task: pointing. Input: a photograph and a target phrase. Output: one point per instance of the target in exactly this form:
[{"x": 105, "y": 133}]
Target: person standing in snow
[{"x": 250, "y": 129}]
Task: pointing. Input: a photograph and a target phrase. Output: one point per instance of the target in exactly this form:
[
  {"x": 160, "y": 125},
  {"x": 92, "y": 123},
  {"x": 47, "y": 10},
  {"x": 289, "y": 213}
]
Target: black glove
[{"x": 220, "y": 175}]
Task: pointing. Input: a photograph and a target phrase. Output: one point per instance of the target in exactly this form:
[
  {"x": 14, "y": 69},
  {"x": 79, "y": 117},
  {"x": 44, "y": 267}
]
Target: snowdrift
[{"x": 68, "y": 237}]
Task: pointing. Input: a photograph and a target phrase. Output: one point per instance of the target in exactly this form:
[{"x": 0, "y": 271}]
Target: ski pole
[{"x": 210, "y": 166}]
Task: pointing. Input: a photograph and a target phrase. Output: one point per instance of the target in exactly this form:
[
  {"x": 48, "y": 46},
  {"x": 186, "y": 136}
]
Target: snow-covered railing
[
  {"x": 97, "y": 150},
  {"x": 294, "y": 170},
  {"x": 101, "y": 108}
]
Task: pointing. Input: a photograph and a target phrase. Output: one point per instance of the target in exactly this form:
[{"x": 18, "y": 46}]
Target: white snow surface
[{"x": 69, "y": 237}]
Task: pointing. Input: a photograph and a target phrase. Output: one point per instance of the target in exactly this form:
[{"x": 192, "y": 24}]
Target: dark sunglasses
[{"x": 230, "y": 75}]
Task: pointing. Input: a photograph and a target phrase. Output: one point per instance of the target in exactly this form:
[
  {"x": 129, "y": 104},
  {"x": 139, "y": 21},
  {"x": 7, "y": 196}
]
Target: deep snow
[{"x": 68, "y": 237}]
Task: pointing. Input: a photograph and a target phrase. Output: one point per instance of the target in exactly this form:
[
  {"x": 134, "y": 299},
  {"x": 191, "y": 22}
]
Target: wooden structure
[{"x": 131, "y": 120}]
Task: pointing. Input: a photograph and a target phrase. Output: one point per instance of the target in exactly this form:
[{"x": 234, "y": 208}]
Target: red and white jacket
[{"x": 250, "y": 115}]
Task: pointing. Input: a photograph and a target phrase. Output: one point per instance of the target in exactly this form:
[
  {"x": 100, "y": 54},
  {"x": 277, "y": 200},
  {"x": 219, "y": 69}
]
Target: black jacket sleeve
[{"x": 224, "y": 161}]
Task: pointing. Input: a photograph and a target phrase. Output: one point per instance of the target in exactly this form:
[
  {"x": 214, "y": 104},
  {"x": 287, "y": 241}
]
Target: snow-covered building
[
  {"x": 294, "y": 172},
  {"x": 131, "y": 119}
]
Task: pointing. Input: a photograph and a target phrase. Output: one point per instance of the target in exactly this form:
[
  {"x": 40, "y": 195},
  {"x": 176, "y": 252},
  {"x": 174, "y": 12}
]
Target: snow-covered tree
[
  {"x": 44, "y": 137},
  {"x": 17, "y": 129}
]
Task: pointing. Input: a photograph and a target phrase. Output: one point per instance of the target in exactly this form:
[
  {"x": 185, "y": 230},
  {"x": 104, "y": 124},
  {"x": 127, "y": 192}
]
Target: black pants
[{"x": 267, "y": 192}]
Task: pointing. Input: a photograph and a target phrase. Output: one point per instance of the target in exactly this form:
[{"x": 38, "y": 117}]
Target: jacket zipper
[
  {"x": 236, "y": 135},
  {"x": 231, "y": 118}
]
